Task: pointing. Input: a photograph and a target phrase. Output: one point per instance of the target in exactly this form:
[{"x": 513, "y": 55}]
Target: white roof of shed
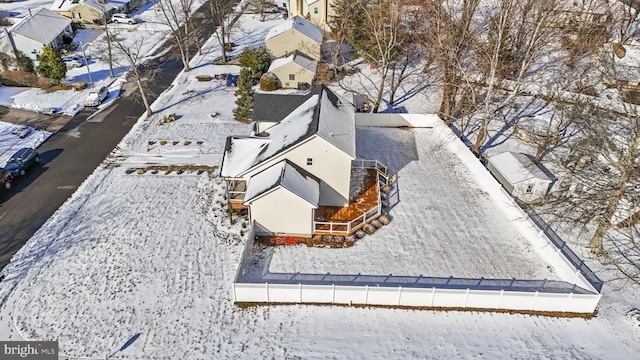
[
  {"x": 301, "y": 61},
  {"x": 299, "y": 24},
  {"x": 287, "y": 175},
  {"x": 33, "y": 26},
  {"x": 517, "y": 167}
]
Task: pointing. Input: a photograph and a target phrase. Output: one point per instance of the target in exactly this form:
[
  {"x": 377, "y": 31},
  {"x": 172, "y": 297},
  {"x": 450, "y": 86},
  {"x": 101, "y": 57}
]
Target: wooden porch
[
  {"x": 236, "y": 189},
  {"x": 363, "y": 205}
]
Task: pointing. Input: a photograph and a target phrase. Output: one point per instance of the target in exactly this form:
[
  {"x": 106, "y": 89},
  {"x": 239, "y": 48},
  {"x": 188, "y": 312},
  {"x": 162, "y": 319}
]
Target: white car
[
  {"x": 73, "y": 61},
  {"x": 122, "y": 18},
  {"x": 96, "y": 96}
]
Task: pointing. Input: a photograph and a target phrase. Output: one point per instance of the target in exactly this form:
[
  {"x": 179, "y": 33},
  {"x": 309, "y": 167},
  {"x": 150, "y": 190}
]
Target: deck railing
[
  {"x": 234, "y": 195},
  {"x": 348, "y": 227}
]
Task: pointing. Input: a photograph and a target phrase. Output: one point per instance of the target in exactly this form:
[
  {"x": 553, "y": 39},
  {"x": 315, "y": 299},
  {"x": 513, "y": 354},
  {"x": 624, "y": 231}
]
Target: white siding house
[
  {"x": 295, "y": 35},
  {"x": 283, "y": 191},
  {"x": 316, "y": 140},
  {"x": 30, "y": 37},
  {"x": 294, "y": 70},
  {"x": 318, "y": 11},
  {"x": 519, "y": 175}
]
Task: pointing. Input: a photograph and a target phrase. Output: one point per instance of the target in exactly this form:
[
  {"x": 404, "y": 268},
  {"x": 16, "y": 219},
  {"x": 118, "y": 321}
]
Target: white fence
[
  {"x": 415, "y": 297},
  {"x": 579, "y": 293}
]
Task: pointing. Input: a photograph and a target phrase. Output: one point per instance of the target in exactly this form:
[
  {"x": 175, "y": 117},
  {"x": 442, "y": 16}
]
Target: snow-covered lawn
[{"x": 440, "y": 219}]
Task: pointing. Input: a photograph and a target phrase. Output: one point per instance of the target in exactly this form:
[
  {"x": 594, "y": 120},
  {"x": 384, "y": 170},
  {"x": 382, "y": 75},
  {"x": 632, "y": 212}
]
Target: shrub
[
  {"x": 51, "y": 65},
  {"x": 24, "y": 63},
  {"x": 268, "y": 82},
  {"x": 186, "y": 142},
  {"x": 369, "y": 229},
  {"x": 256, "y": 60},
  {"x": 244, "y": 95},
  {"x": 163, "y": 142}
]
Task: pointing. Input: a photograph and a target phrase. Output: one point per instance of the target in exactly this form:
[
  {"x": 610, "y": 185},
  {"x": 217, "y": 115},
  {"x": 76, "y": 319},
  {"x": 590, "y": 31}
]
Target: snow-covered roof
[
  {"x": 517, "y": 167},
  {"x": 33, "y": 26},
  {"x": 67, "y": 5},
  {"x": 324, "y": 114},
  {"x": 300, "y": 60},
  {"x": 299, "y": 24},
  {"x": 287, "y": 175}
]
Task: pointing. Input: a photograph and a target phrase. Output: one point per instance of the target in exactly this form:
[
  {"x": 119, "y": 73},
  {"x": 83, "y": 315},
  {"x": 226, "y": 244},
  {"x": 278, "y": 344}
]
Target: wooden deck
[{"x": 364, "y": 196}]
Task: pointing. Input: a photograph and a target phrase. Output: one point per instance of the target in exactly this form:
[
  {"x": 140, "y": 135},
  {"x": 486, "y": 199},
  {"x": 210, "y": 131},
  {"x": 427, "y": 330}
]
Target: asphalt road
[{"x": 70, "y": 155}]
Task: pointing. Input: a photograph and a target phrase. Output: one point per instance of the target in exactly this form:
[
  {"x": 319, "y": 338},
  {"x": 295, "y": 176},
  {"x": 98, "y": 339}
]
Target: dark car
[
  {"x": 5, "y": 179},
  {"x": 22, "y": 160}
]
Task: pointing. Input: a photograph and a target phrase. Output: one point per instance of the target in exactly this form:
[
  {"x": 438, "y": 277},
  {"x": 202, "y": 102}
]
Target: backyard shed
[{"x": 519, "y": 175}]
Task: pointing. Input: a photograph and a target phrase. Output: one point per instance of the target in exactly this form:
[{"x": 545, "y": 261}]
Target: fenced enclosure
[{"x": 579, "y": 293}]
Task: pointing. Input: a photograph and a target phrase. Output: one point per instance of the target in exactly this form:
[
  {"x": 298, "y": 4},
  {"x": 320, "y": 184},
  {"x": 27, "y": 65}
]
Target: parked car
[
  {"x": 5, "y": 179},
  {"x": 73, "y": 61},
  {"x": 122, "y": 18},
  {"x": 22, "y": 160},
  {"x": 96, "y": 96},
  {"x": 232, "y": 80},
  {"x": 21, "y": 131}
]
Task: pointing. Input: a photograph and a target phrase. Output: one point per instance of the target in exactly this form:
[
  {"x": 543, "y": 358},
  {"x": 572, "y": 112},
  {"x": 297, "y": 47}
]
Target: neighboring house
[
  {"x": 29, "y": 37},
  {"x": 84, "y": 11},
  {"x": 519, "y": 175},
  {"x": 295, "y": 34},
  {"x": 294, "y": 71},
  {"x": 93, "y": 11},
  {"x": 299, "y": 164},
  {"x": 317, "y": 11}
]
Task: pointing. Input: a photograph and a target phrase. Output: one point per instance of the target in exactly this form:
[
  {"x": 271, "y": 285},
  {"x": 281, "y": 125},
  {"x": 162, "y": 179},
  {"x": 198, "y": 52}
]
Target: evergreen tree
[
  {"x": 51, "y": 65},
  {"x": 257, "y": 60},
  {"x": 24, "y": 63},
  {"x": 244, "y": 94}
]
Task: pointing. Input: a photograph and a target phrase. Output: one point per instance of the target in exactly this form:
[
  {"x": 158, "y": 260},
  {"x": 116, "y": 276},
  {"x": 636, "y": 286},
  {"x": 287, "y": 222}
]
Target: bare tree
[
  {"x": 382, "y": 38},
  {"x": 130, "y": 53},
  {"x": 623, "y": 252},
  {"x": 220, "y": 11},
  {"x": 562, "y": 121},
  {"x": 448, "y": 33},
  {"x": 177, "y": 16},
  {"x": 260, "y": 7},
  {"x": 409, "y": 65},
  {"x": 602, "y": 173},
  {"x": 107, "y": 36}
]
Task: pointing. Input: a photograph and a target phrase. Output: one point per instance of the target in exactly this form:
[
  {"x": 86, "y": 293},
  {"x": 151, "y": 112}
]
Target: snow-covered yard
[
  {"x": 155, "y": 255},
  {"x": 440, "y": 219}
]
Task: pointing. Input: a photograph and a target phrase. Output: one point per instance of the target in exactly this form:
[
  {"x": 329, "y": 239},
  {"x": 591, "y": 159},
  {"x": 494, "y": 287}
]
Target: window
[
  {"x": 315, "y": 10},
  {"x": 292, "y": 76},
  {"x": 309, "y": 161},
  {"x": 529, "y": 189}
]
